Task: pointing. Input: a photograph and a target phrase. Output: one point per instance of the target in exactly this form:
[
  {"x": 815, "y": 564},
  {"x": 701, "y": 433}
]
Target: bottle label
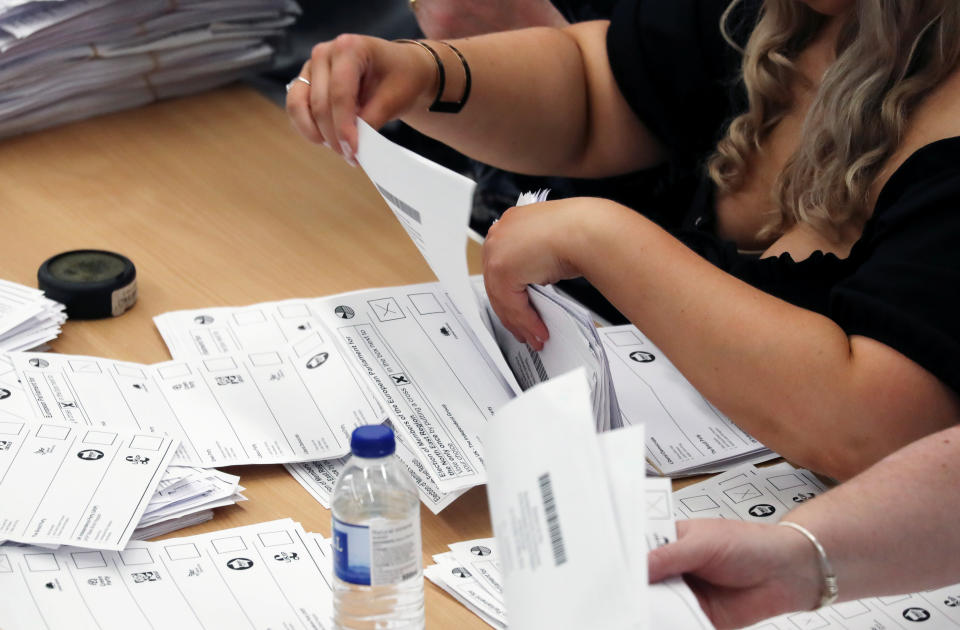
[{"x": 383, "y": 552}]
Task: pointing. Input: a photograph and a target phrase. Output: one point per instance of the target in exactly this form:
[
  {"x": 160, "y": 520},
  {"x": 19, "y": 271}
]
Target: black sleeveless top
[{"x": 900, "y": 284}]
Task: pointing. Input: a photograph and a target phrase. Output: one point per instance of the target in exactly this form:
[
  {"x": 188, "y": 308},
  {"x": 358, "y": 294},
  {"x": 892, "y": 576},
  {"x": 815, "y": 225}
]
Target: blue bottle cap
[{"x": 373, "y": 440}]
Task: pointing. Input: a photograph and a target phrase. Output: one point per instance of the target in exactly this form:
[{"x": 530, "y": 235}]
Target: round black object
[{"x": 91, "y": 283}]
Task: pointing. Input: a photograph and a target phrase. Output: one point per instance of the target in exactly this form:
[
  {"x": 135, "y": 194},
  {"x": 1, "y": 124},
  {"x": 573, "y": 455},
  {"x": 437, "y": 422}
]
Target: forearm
[
  {"x": 892, "y": 528},
  {"x": 541, "y": 102},
  {"x": 790, "y": 377}
]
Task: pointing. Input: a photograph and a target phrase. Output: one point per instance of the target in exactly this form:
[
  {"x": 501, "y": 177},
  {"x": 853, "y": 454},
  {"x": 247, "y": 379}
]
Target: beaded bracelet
[{"x": 444, "y": 107}]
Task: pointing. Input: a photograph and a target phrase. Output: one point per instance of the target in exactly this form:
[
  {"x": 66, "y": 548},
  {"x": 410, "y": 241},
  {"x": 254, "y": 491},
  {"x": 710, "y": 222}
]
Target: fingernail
[
  {"x": 347, "y": 153},
  {"x": 327, "y": 144}
]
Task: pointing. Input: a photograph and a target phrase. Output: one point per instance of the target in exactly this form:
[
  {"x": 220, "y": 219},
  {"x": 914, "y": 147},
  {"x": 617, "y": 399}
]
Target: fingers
[
  {"x": 319, "y": 98},
  {"x": 346, "y": 75},
  {"x": 518, "y": 315},
  {"x": 325, "y": 110},
  {"x": 298, "y": 107}
]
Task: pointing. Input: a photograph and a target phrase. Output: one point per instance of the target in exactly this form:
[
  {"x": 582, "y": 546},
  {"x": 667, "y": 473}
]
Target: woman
[{"x": 811, "y": 289}]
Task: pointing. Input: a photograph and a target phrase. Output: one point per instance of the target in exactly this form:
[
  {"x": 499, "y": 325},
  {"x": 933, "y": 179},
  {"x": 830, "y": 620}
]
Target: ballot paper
[
  {"x": 686, "y": 435},
  {"x": 426, "y": 356},
  {"x": 27, "y": 318},
  {"x": 412, "y": 354},
  {"x": 766, "y": 495},
  {"x": 69, "y": 59},
  {"x": 291, "y": 404},
  {"x": 259, "y": 576},
  {"x": 433, "y": 205},
  {"x": 318, "y": 478},
  {"x": 186, "y": 496},
  {"x": 749, "y": 493},
  {"x": 404, "y": 352},
  {"x": 76, "y": 485},
  {"x": 567, "y": 519}
]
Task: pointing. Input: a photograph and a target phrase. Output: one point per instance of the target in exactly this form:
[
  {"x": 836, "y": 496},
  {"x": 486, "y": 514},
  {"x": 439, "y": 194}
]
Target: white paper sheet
[
  {"x": 606, "y": 545},
  {"x": 319, "y": 477},
  {"x": 748, "y": 493},
  {"x": 685, "y": 433},
  {"x": 65, "y": 485},
  {"x": 553, "y": 514},
  {"x": 260, "y": 576},
  {"x": 407, "y": 349},
  {"x": 433, "y": 205},
  {"x": 269, "y": 407}
]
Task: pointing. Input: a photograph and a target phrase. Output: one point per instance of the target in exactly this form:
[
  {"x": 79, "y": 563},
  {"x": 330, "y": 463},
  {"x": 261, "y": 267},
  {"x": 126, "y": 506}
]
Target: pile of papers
[
  {"x": 28, "y": 320},
  {"x": 270, "y": 575},
  {"x": 686, "y": 435},
  {"x": 63, "y": 60},
  {"x": 79, "y": 486},
  {"x": 187, "y": 496},
  {"x": 765, "y": 495}
]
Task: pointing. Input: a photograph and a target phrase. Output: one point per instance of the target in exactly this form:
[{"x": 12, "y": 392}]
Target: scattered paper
[
  {"x": 64, "y": 485},
  {"x": 260, "y": 576}
]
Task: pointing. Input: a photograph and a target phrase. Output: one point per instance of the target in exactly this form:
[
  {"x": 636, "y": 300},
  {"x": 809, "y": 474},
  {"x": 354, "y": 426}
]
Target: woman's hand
[
  {"x": 534, "y": 244},
  {"x": 355, "y": 75},
  {"x": 741, "y": 572}
]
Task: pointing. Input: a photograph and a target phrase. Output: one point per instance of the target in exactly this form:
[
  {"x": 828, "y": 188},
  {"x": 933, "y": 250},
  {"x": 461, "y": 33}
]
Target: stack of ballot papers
[
  {"x": 79, "y": 486},
  {"x": 63, "y": 60},
  {"x": 573, "y": 517},
  {"x": 269, "y": 575},
  {"x": 28, "y": 320},
  {"x": 686, "y": 435},
  {"x": 187, "y": 496},
  {"x": 765, "y": 495}
]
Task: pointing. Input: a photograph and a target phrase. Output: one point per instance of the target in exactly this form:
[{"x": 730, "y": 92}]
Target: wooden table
[{"x": 217, "y": 202}]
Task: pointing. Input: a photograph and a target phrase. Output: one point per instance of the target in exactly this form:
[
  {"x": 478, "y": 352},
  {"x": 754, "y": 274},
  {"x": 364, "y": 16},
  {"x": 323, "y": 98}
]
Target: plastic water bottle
[{"x": 378, "y": 581}]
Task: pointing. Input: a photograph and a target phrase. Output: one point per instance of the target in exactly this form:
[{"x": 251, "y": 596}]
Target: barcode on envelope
[
  {"x": 406, "y": 208},
  {"x": 553, "y": 520},
  {"x": 538, "y": 364}
]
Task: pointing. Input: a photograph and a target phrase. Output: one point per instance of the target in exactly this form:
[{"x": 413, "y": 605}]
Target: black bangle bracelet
[
  {"x": 440, "y": 106},
  {"x": 456, "y": 107}
]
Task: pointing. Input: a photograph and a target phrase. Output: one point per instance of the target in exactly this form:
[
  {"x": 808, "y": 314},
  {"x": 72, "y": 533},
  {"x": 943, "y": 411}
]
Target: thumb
[{"x": 687, "y": 555}]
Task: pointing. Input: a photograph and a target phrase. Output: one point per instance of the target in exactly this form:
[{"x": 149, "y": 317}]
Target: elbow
[{"x": 838, "y": 459}]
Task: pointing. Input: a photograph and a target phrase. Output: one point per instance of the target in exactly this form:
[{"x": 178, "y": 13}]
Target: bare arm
[
  {"x": 790, "y": 377},
  {"x": 543, "y": 100},
  {"x": 878, "y": 530},
  {"x": 443, "y": 19}
]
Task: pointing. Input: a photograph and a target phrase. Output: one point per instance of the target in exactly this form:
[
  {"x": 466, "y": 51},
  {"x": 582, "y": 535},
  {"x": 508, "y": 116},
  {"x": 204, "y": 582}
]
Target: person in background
[
  {"x": 809, "y": 284},
  {"x": 889, "y": 530}
]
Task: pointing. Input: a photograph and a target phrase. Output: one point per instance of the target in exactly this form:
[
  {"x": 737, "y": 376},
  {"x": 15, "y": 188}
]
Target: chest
[{"x": 741, "y": 214}]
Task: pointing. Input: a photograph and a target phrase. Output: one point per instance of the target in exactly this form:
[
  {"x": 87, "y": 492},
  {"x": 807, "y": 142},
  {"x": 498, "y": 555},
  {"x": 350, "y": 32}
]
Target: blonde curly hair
[{"x": 889, "y": 56}]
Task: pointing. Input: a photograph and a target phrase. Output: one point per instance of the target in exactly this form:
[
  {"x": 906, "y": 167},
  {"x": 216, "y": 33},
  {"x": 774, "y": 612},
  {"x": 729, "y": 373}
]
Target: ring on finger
[{"x": 295, "y": 79}]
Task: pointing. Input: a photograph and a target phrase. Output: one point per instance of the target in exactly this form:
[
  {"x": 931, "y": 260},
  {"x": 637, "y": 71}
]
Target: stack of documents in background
[
  {"x": 63, "y": 60},
  {"x": 27, "y": 318}
]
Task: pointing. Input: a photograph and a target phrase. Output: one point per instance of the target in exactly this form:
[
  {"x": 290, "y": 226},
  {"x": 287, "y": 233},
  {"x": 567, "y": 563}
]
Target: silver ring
[{"x": 295, "y": 79}]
